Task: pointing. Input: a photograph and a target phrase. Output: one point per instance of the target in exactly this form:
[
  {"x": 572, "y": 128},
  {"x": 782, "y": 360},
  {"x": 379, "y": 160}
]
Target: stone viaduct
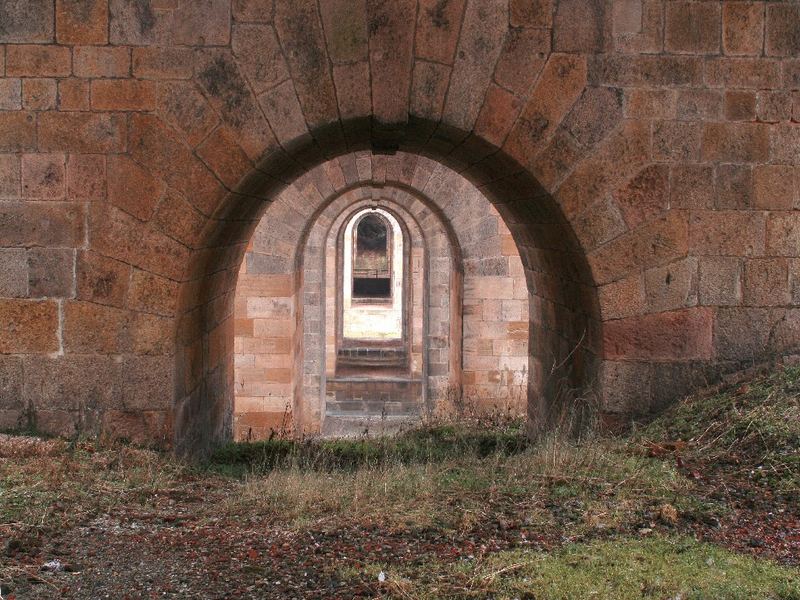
[{"x": 643, "y": 155}]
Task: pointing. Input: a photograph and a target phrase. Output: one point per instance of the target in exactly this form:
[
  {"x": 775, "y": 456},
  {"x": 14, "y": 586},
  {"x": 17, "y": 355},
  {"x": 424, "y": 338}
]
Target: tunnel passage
[
  {"x": 452, "y": 334},
  {"x": 483, "y": 357}
]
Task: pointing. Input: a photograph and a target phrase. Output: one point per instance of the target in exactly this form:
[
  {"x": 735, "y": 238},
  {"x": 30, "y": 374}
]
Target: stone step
[
  {"x": 372, "y": 357},
  {"x": 380, "y": 390},
  {"x": 334, "y": 426},
  {"x": 374, "y": 408}
]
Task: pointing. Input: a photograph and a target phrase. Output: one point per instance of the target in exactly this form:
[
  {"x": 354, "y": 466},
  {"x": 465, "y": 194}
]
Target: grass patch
[
  {"x": 432, "y": 444},
  {"x": 753, "y": 428},
  {"x": 622, "y": 569},
  {"x": 464, "y": 510}
]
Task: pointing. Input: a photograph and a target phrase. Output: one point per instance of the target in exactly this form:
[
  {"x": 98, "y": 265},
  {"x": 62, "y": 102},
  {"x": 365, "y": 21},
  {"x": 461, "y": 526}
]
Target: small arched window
[{"x": 372, "y": 261}]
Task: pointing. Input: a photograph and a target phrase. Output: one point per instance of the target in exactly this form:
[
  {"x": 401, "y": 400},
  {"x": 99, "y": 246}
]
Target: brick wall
[{"x": 641, "y": 152}]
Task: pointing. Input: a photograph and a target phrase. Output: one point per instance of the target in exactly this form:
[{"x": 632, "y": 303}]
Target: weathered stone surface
[
  {"x": 202, "y": 23},
  {"x": 734, "y": 187},
  {"x": 11, "y": 381},
  {"x": 524, "y": 54},
  {"x": 86, "y": 177},
  {"x": 226, "y": 159},
  {"x": 559, "y": 85},
  {"x": 692, "y": 27},
  {"x": 752, "y": 73},
  {"x": 227, "y": 91},
  {"x": 101, "y": 61},
  {"x": 28, "y": 326},
  {"x": 51, "y": 272},
  {"x": 120, "y": 236},
  {"x": 740, "y": 142},
  {"x": 742, "y": 28},
  {"x": 622, "y": 298},
  {"x": 132, "y": 188},
  {"x": 531, "y": 13},
  {"x": 299, "y": 28},
  {"x": 38, "y": 61},
  {"x": 82, "y": 132},
  {"x": 162, "y": 63},
  {"x": 13, "y": 273},
  {"x": 438, "y": 28},
  {"x": 478, "y": 51},
  {"x": 9, "y": 176},
  {"x": 134, "y": 23},
  {"x": 578, "y": 26},
  {"x": 676, "y": 141},
  {"x": 44, "y": 176},
  {"x": 284, "y": 113},
  {"x": 620, "y": 70},
  {"x": 73, "y": 94},
  {"x": 679, "y": 335},
  {"x": 345, "y": 25},
  {"x": 497, "y": 116},
  {"x": 182, "y": 106},
  {"x": 101, "y": 279},
  {"x": 656, "y": 243},
  {"x": 740, "y": 105},
  {"x": 645, "y": 196},
  {"x": 17, "y": 131},
  {"x": 71, "y": 383},
  {"x": 596, "y": 113},
  {"x": 720, "y": 281},
  {"x": 10, "y": 94},
  {"x": 429, "y": 86},
  {"x": 766, "y": 282},
  {"x": 727, "y": 233},
  {"x": 156, "y": 148},
  {"x": 692, "y": 186},
  {"x": 39, "y": 94},
  {"x": 783, "y": 234},
  {"x": 49, "y": 224},
  {"x": 626, "y": 386},
  {"x": 259, "y": 55},
  {"x": 93, "y": 328},
  {"x": 26, "y": 21},
  {"x": 81, "y": 21},
  {"x": 673, "y": 286},
  {"x": 741, "y": 333},
  {"x": 123, "y": 95},
  {"x": 783, "y": 29}
]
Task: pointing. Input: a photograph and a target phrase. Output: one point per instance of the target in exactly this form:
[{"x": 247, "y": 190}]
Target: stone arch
[
  {"x": 578, "y": 329},
  {"x": 423, "y": 214}
]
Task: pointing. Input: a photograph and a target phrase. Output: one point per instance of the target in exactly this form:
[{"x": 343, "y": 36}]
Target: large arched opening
[{"x": 560, "y": 294}]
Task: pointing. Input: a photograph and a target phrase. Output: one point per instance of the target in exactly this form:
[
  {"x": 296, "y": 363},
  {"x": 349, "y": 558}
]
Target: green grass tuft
[
  {"x": 425, "y": 445},
  {"x": 753, "y": 428},
  {"x": 623, "y": 569}
]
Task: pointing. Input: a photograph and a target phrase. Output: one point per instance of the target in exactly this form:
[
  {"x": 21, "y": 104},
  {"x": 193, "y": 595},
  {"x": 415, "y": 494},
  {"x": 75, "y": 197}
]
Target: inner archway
[{"x": 477, "y": 338}]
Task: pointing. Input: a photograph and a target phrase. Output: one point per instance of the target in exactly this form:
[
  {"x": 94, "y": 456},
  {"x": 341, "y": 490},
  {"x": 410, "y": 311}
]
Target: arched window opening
[
  {"x": 372, "y": 263},
  {"x": 372, "y": 277}
]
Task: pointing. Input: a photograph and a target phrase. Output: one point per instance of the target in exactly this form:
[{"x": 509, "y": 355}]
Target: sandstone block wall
[{"x": 643, "y": 154}]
